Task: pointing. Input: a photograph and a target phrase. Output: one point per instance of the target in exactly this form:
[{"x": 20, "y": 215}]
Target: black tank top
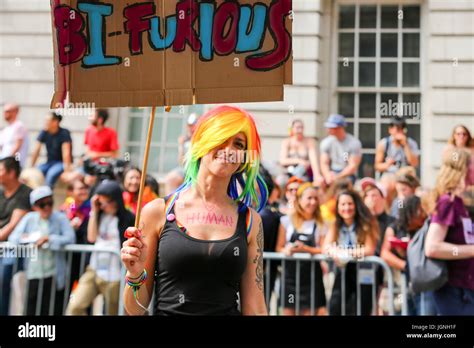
[{"x": 199, "y": 277}]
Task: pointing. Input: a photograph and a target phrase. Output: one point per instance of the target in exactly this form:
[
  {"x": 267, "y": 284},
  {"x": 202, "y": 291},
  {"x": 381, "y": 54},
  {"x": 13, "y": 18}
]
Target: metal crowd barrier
[
  {"x": 363, "y": 278},
  {"x": 19, "y": 264}
]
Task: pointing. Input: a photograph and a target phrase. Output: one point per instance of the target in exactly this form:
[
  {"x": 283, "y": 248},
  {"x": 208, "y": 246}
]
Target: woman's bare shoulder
[
  {"x": 153, "y": 213},
  {"x": 310, "y": 141}
]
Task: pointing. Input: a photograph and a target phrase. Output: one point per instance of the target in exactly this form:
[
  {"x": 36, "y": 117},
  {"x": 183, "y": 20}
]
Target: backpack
[{"x": 426, "y": 274}]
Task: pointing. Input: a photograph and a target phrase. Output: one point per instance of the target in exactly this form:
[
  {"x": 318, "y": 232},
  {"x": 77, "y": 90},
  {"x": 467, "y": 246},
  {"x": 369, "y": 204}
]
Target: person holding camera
[
  {"x": 397, "y": 150},
  {"x": 107, "y": 223}
]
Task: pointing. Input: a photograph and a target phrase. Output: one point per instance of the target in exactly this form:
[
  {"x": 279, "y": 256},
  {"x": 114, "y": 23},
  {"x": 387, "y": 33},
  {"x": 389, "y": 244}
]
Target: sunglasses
[{"x": 44, "y": 204}]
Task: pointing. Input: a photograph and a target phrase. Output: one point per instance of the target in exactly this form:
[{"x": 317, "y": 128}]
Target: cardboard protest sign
[{"x": 171, "y": 52}]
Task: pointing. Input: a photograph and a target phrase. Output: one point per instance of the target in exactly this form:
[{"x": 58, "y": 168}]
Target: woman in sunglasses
[
  {"x": 290, "y": 195},
  {"x": 461, "y": 139},
  {"x": 49, "y": 230}
]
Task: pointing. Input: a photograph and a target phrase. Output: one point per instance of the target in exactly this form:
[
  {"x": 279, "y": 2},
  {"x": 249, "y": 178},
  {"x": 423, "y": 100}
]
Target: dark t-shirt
[
  {"x": 19, "y": 200},
  {"x": 451, "y": 212},
  {"x": 54, "y": 143}
]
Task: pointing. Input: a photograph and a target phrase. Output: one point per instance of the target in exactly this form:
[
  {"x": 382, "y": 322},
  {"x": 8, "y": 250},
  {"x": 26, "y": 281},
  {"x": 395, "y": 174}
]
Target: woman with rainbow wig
[{"x": 203, "y": 245}]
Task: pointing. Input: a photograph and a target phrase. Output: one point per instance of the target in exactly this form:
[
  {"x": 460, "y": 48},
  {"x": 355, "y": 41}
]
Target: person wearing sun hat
[
  {"x": 48, "y": 230},
  {"x": 340, "y": 151}
]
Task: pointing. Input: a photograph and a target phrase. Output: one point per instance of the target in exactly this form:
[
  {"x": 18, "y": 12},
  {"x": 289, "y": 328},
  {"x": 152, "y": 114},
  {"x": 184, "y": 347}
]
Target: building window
[
  {"x": 378, "y": 72},
  {"x": 166, "y": 131}
]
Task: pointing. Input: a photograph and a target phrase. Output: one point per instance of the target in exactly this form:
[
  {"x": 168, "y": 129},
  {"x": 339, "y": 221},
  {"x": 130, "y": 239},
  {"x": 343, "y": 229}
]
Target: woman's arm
[
  {"x": 382, "y": 163},
  {"x": 252, "y": 300},
  {"x": 412, "y": 158},
  {"x": 92, "y": 225},
  {"x": 312, "y": 250},
  {"x": 282, "y": 245},
  {"x": 330, "y": 241},
  {"x": 437, "y": 248},
  {"x": 315, "y": 250},
  {"x": 35, "y": 154},
  {"x": 370, "y": 243},
  {"x": 314, "y": 161},
  {"x": 281, "y": 240},
  {"x": 142, "y": 249},
  {"x": 387, "y": 255}
]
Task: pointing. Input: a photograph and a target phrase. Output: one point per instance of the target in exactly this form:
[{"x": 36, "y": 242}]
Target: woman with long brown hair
[
  {"x": 353, "y": 235},
  {"x": 451, "y": 236},
  {"x": 303, "y": 231}
]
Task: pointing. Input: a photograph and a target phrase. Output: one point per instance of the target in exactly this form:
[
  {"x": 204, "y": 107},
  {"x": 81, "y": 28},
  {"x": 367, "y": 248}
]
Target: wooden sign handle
[{"x": 151, "y": 122}]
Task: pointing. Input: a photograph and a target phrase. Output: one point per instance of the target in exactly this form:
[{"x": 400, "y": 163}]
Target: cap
[
  {"x": 40, "y": 193},
  {"x": 366, "y": 182},
  {"x": 335, "y": 121}
]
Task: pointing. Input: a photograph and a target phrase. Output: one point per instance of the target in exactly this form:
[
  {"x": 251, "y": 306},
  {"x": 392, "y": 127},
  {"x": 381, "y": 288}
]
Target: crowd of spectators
[{"x": 317, "y": 205}]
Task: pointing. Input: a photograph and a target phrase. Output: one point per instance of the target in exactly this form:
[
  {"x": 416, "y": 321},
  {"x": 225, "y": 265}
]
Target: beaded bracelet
[
  {"x": 136, "y": 284},
  {"x": 130, "y": 278}
]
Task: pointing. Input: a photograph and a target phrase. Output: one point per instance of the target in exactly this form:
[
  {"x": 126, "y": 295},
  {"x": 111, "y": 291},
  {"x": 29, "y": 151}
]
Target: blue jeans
[
  {"x": 6, "y": 275},
  {"x": 452, "y": 300},
  {"x": 415, "y": 304},
  {"x": 52, "y": 171}
]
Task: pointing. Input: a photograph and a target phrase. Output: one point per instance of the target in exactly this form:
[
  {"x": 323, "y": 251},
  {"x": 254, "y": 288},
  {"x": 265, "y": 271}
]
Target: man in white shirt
[{"x": 14, "y": 137}]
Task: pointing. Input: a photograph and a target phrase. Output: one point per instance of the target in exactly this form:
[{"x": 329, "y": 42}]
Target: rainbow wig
[{"x": 214, "y": 129}]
